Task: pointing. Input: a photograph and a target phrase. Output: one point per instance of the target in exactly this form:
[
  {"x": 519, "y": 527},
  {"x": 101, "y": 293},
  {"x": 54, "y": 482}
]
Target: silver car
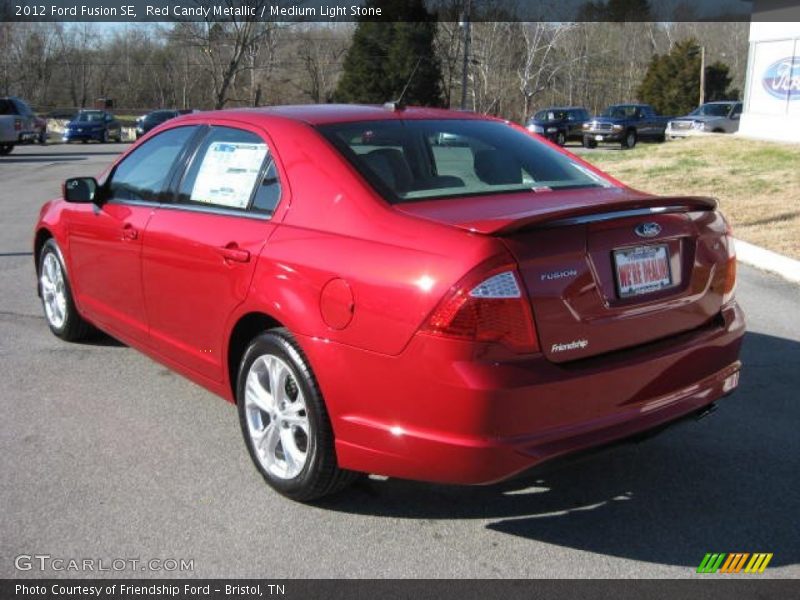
[{"x": 711, "y": 117}]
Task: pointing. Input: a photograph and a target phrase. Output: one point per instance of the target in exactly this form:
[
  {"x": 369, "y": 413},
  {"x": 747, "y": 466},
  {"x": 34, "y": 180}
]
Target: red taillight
[
  {"x": 487, "y": 307},
  {"x": 18, "y": 125}
]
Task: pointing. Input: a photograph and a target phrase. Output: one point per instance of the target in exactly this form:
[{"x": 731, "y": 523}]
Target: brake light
[
  {"x": 729, "y": 285},
  {"x": 487, "y": 307}
]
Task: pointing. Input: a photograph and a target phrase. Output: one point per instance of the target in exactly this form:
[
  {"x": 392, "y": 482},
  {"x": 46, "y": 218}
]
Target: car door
[
  {"x": 200, "y": 251},
  {"x": 105, "y": 242}
]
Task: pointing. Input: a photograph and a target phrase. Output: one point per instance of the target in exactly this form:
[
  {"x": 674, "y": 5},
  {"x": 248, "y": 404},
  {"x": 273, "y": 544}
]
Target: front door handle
[
  {"x": 128, "y": 232},
  {"x": 232, "y": 252}
]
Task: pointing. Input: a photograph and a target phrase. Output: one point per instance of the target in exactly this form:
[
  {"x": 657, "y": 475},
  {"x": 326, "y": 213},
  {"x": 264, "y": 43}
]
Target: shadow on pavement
[
  {"x": 728, "y": 483},
  {"x": 42, "y": 158}
]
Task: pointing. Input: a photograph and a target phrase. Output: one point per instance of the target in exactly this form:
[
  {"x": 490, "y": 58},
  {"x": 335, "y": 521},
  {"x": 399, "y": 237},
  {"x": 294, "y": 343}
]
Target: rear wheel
[
  {"x": 57, "y": 301},
  {"x": 284, "y": 420},
  {"x": 6, "y": 149}
]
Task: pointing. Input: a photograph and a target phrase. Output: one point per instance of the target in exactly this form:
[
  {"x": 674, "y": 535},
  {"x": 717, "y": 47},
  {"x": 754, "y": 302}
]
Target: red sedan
[{"x": 417, "y": 293}]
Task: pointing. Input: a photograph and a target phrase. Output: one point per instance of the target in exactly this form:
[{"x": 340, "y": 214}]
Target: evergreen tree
[
  {"x": 672, "y": 81},
  {"x": 385, "y": 54}
]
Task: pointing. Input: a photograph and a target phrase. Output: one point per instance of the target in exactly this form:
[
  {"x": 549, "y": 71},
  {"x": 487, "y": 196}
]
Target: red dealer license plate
[{"x": 642, "y": 270}]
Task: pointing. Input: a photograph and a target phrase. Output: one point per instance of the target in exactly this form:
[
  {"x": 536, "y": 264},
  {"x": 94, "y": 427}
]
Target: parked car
[
  {"x": 559, "y": 125},
  {"x": 153, "y": 119},
  {"x": 449, "y": 313},
  {"x": 625, "y": 124},
  {"x": 19, "y": 125},
  {"x": 711, "y": 117},
  {"x": 93, "y": 125}
]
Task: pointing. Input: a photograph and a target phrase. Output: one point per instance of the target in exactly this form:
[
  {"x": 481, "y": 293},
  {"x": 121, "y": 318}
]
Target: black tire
[
  {"x": 320, "y": 475},
  {"x": 74, "y": 327},
  {"x": 589, "y": 142},
  {"x": 629, "y": 141},
  {"x": 104, "y": 139},
  {"x": 661, "y": 138},
  {"x": 6, "y": 149},
  {"x": 561, "y": 138},
  {"x": 43, "y": 138}
]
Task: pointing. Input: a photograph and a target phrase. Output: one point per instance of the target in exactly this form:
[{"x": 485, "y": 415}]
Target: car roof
[{"x": 320, "y": 114}]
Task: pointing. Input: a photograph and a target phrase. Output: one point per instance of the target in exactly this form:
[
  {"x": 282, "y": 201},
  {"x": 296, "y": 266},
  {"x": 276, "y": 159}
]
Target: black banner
[
  {"x": 438, "y": 589},
  {"x": 391, "y": 10}
]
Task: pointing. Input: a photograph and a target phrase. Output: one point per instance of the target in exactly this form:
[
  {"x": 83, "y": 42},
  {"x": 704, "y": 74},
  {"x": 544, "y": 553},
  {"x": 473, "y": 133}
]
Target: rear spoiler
[{"x": 588, "y": 213}]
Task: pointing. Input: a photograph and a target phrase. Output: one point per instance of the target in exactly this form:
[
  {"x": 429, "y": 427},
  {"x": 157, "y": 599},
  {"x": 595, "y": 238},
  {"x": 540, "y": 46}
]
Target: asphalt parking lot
[{"x": 106, "y": 454}]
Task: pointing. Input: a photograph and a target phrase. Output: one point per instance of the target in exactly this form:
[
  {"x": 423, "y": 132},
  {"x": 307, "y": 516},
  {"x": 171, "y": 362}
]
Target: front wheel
[
  {"x": 589, "y": 142},
  {"x": 57, "y": 300},
  {"x": 104, "y": 139},
  {"x": 629, "y": 141},
  {"x": 284, "y": 420},
  {"x": 561, "y": 138},
  {"x": 6, "y": 149}
]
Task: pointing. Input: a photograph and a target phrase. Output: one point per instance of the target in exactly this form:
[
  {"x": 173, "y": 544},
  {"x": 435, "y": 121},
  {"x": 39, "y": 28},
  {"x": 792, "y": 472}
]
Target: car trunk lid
[{"x": 606, "y": 269}]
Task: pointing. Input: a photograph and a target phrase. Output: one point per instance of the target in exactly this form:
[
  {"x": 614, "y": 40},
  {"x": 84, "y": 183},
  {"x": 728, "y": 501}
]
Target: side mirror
[{"x": 81, "y": 190}]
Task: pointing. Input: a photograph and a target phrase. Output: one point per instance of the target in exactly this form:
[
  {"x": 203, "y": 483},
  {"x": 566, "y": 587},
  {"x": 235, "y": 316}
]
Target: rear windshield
[
  {"x": 712, "y": 110},
  {"x": 6, "y": 107},
  {"x": 89, "y": 117},
  {"x": 436, "y": 159},
  {"x": 159, "y": 116},
  {"x": 551, "y": 115}
]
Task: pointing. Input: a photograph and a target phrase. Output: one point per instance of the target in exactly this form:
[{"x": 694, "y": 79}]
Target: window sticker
[{"x": 228, "y": 173}]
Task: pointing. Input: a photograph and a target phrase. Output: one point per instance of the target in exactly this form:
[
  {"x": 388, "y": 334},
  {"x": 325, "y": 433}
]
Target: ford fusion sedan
[
  {"x": 375, "y": 298},
  {"x": 93, "y": 125},
  {"x": 711, "y": 117}
]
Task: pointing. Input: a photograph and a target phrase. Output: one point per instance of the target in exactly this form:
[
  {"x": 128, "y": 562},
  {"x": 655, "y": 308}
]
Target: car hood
[{"x": 505, "y": 213}]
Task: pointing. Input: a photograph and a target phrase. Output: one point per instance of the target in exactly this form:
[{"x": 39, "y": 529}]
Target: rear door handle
[
  {"x": 233, "y": 253},
  {"x": 128, "y": 232}
]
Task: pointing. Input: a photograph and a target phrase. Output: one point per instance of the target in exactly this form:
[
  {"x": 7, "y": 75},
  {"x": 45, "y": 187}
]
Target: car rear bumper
[
  {"x": 437, "y": 412},
  {"x": 73, "y": 137}
]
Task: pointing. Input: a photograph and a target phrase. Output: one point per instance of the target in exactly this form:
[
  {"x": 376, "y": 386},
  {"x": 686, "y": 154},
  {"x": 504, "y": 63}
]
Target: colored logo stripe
[{"x": 733, "y": 563}]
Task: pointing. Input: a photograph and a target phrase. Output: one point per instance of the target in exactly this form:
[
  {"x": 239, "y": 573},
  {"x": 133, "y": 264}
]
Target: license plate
[
  {"x": 599, "y": 138},
  {"x": 642, "y": 270}
]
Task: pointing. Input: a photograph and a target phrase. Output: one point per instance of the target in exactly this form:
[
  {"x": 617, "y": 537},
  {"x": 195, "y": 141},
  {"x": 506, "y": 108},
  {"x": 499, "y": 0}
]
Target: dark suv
[{"x": 559, "y": 124}]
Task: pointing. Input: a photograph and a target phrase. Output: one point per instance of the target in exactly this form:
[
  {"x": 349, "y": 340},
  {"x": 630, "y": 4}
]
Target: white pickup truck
[{"x": 19, "y": 125}]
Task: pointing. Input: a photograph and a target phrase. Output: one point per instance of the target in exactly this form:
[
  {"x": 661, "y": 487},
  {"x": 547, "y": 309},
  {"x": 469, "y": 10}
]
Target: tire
[
  {"x": 288, "y": 434},
  {"x": 661, "y": 138},
  {"x": 104, "y": 138},
  {"x": 59, "y": 307},
  {"x": 589, "y": 142},
  {"x": 43, "y": 138},
  {"x": 6, "y": 149},
  {"x": 629, "y": 141},
  {"x": 561, "y": 138}
]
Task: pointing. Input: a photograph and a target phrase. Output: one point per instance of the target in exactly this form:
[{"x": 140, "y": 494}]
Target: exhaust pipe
[{"x": 704, "y": 412}]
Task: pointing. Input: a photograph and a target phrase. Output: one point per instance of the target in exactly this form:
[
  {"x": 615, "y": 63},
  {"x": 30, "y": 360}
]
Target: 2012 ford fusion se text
[{"x": 410, "y": 292}]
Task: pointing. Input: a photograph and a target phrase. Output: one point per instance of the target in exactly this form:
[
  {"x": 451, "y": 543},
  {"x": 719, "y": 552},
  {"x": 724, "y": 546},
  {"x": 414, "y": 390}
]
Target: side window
[
  {"x": 232, "y": 169},
  {"x": 143, "y": 174}
]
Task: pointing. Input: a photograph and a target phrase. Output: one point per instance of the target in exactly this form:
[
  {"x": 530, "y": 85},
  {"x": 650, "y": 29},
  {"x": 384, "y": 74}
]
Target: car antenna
[{"x": 398, "y": 104}]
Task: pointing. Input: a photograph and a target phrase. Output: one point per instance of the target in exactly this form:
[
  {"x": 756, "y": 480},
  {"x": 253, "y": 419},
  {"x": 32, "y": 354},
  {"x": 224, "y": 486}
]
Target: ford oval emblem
[
  {"x": 647, "y": 230},
  {"x": 782, "y": 78}
]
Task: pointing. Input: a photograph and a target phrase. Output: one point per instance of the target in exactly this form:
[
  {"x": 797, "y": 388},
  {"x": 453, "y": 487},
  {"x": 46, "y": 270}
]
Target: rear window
[{"x": 436, "y": 159}]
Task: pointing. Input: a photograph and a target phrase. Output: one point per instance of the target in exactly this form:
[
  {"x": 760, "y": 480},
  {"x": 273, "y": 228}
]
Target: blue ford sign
[{"x": 782, "y": 78}]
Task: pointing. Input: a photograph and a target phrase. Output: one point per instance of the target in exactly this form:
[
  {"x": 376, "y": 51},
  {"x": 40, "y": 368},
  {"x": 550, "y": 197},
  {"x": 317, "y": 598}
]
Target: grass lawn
[{"x": 756, "y": 183}]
